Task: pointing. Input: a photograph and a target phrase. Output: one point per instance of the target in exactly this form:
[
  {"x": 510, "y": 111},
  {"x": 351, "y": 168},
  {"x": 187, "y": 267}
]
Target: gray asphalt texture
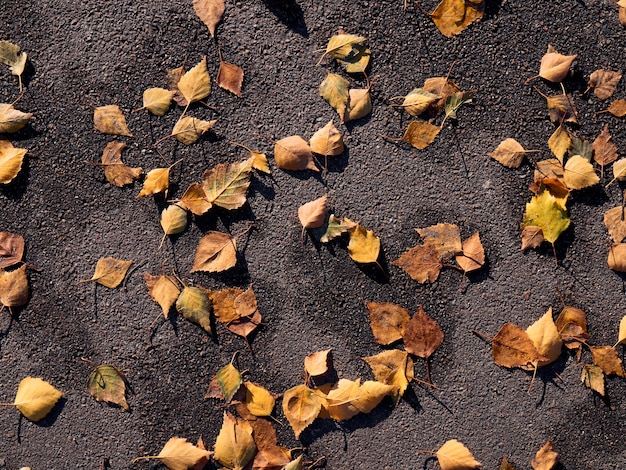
[{"x": 311, "y": 298}]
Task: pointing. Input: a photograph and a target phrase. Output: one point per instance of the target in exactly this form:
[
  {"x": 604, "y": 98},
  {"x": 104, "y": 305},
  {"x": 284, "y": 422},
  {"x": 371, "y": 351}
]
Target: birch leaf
[
  {"x": 422, "y": 263},
  {"x": 546, "y": 338},
  {"x": 319, "y": 363},
  {"x": 110, "y": 272},
  {"x": 11, "y": 249},
  {"x": 473, "y": 256},
  {"x": 337, "y": 227},
  {"x": 617, "y": 257},
  {"x": 335, "y": 90},
  {"x": 617, "y": 108},
  {"x": 604, "y": 82},
  {"x": 444, "y": 238},
  {"x": 619, "y": 169},
  {"x": 604, "y": 150},
  {"x": 157, "y": 100},
  {"x": 422, "y": 335},
  {"x": 226, "y": 184},
  {"x": 195, "y": 199},
  {"x": 13, "y": 287},
  {"x": 259, "y": 401},
  {"x": 188, "y": 130},
  {"x": 115, "y": 171},
  {"x": 455, "y": 456},
  {"x": 509, "y": 153},
  {"x": 293, "y": 153},
  {"x": 210, "y": 13},
  {"x": 11, "y": 160},
  {"x": 579, "y": 173},
  {"x": 388, "y": 321},
  {"x": 512, "y": 347},
  {"x": 301, "y": 406},
  {"x": 364, "y": 246},
  {"x": 419, "y": 100},
  {"x": 621, "y": 338},
  {"x": 313, "y": 213},
  {"x": 532, "y": 237},
  {"x": 35, "y": 398},
  {"x": 110, "y": 120},
  {"x": 340, "y": 45},
  {"x": 230, "y": 77},
  {"x": 392, "y": 367},
  {"x": 216, "y": 252},
  {"x": 327, "y": 141},
  {"x": 559, "y": 142},
  {"x": 545, "y": 212},
  {"x": 108, "y": 384},
  {"x": 359, "y": 104},
  {"x": 196, "y": 83},
  {"x": 11, "y": 55},
  {"x": 179, "y": 454},
  {"x": 607, "y": 359},
  {"x": 554, "y": 66},
  {"x": 234, "y": 446},
  {"x": 11, "y": 119},
  {"x": 193, "y": 304},
  {"x": 453, "y": 16},
  {"x": 593, "y": 378},
  {"x": 157, "y": 181},
  {"x": 561, "y": 109},
  {"x": 163, "y": 290},
  {"x": 173, "y": 219},
  {"x": 420, "y": 134},
  {"x": 229, "y": 379},
  {"x": 545, "y": 458}
]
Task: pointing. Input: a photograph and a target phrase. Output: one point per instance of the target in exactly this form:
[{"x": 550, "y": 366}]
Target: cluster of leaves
[
  {"x": 14, "y": 289},
  {"x": 541, "y": 344},
  {"x": 442, "y": 242}
]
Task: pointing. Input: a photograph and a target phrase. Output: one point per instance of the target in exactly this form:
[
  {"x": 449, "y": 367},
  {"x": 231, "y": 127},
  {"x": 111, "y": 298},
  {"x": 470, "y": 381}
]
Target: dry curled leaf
[
  {"x": 11, "y": 119},
  {"x": 224, "y": 304},
  {"x": 364, "y": 246},
  {"x": 230, "y": 77},
  {"x": 110, "y": 120},
  {"x": 106, "y": 383},
  {"x": 341, "y": 45},
  {"x": 327, "y": 141},
  {"x": 313, "y": 213},
  {"x": 546, "y": 458},
  {"x": 188, "y": 130},
  {"x": 607, "y": 359},
  {"x": 604, "y": 82},
  {"x": 11, "y": 249},
  {"x": 336, "y": 227},
  {"x": 157, "y": 181},
  {"x": 554, "y": 66},
  {"x": 163, "y": 290},
  {"x": 453, "y": 455},
  {"x": 509, "y": 153},
  {"x": 216, "y": 252},
  {"x": 210, "y": 12},
  {"x": 115, "y": 171},
  {"x": 561, "y": 109},
  {"x": 444, "y": 238},
  {"x": 110, "y": 272},
  {"x": 11, "y": 55},
  {"x": 319, "y": 363},
  {"x": 11, "y": 160},
  {"x": 195, "y": 84},
  {"x": 388, "y": 321},
  {"x": 473, "y": 256},
  {"x": 572, "y": 326},
  {"x": 422, "y": 263},
  {"x": 293, "y": 153},
  {"x": 420, "y": 134}
]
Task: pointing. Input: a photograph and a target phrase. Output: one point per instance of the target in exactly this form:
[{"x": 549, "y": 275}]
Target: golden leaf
[
  {"x": 11, "y": 160},
  {"x": 422, "y": 335},
  {"x": 532, "y": 237},
  {"x": 444, "y": 238},
  {"x": 157, "y": 180},
  {"x": 11, "y": 119},
  {"x": 554, "y": 66},
  {"x": 455, "y": 456},
  {"x": 259, "y": 401},
  {"x": 35, "y": 398},
  {"x": 370, "y": 394},
  {"x": 318, "y": 363},
  {"x": 546, "y": 338},
  {"x": 301, "y": 406},
  {"x": 561, "y": 109},
  {"x": 387, "y": 321},
  {"x": 293, "y": 153},
  {"x": 509, "y": 153},
  {"x": 604, "y": 82},
  {"x": 229, "y": 380},
  {"x": 512, "y": 347},
  {"x": 572, "y": 326},
  {"x": 234, "y": 446},
  {"x": 334, "y": 89},
  {"x": 420, "y": 134},
  {"x": 453, "y": 16},
  {"x": 559, "y": 142},
  {"x": 259, "y": 162},
  {"x": 392, "y": 367},
  {"x": 545, "y": 212},
  {"x": 110, "y": 120},
  {"x": 327, "y": 141},
  {"x": 313, "y": 213},
  {"x": 621, "y": 338},
  {"x": 579, "y": 173},
  {"x": 545, "y": 458},
  {"x": 226, "y": 185},
  {"x": 157, "y": 100},
  {"x": 230, "y": 77},
  {"x": 193, "y": 304},
  {"x": 422, "y": 263},
  {"x": 196, "y": 83},
  {"x": 163, "y": 290},
  {"x": 617, "y": 257},
  {"x": 13, "y": 287},
  {"x": 179, "y": 454},
  {"x": 593, "y": 378},
  {"x": 216, "y": 252},
  {"x": 364, "y": 246},
  {"x": 359, "y": 104},
  {"x": 473, "y": 256},
  {"x": 210, "y": 12},
  {"x": 224, "y": 304},
  {"x": 419, "y": 100},
  {"x": 11, "y": 55},
  {"x": 341, "y": 45},
  {"x": 11, "y": 249},
  {"x": 115, "y": 171},
  {"x": 607, "y": 359},
  {"x": 617, "y": 108},
  {"x": 358, "y": 59},
  {"x": 195, "y": 199},
  {"x": 340, "y": 400},
  {"x": 107, "y": 383},
  {"x": 173, "y": 219},
  {"x": 188, "y": 130},
  {"x": 110, "y": 272}
]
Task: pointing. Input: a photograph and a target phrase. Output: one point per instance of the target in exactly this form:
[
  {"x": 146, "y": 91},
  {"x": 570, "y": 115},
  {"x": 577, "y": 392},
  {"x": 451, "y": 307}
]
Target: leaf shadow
[
  {"x": 336, "y": 164},
  {"x": 290, "y": 14},
  {"x": 258, "y": 186},
  {"x": 593, "y": 196},
  {"x": 492, "y": 8}
]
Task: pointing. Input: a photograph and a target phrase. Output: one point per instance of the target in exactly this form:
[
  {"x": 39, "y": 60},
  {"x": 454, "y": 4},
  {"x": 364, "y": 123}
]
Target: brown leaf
[
  {"x": 607, "y": 359},
  {"x": 572, "y": 326},
  {"x": 617, "y": 257},
  {"x": 110, "y": 120},
  {"x": 13, "y": 287},
  {"x": 216, "y": 252},
  {"x": 163, "y": 290},
  {"x": 550, "y": 168},
  {"x": 245, "y": 325},
  {"x": 230, "y": 77},
  {"x": 11, "y": 119},
  {"x": 319, "y": 363},
  {"x": 293, "y": 153},
  {"x": 453, "y": 16},
  {"x": 195, "y": 199},
  {"x": 561, "y": 109},
  {"x": 327, "y": 141},
  {"x": 604, "y": 151},
  {"x": 473, "y": 256},
  {"x": 554, "y": 66},
  {"x": 509, "y": 153},
  {"x": 546, "y": 458},
  {"x": 11, "y": 249},
  {"x": 224, "y": 303},
  {"x": 618, "y": 108},
  {"x": 615, "y": 223},
  {"x": 442, "y": 87},
  {"x": 388, "y": 321},
  {"x": 271, "y": 458},
  {"x": 110, "y": 272},
  {"x": 11, "y": 160},
  {"x": 422, "y": 335},
  {"x": 604, "y": 82},
  {"x": 532, "y": 237},
  {"x": 505, "y": 465},
  {"x": 115, "y": 171},
  {"x": 422, "y": 263},
  {"x": 226, "y": 185},
  {"x": 313, "y": 213},
  {"x": 420, "y": 134},
  {"x": 512, "y": 347},
  {"x": 418, "y": 101},
  {"x": 444, "y": 238},
  {"x": 210, "y": 12},
  {"x": 593, "y": 378},
  {"x": 173, "y": 77}
]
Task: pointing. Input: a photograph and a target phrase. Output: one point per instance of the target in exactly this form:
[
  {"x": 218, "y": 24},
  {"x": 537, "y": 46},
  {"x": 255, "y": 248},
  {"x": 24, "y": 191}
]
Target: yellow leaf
[
  {"x": 327, "y": 141},
  {"x": 157, "y": 100},
  {"x": 340, "y": 45},
  {"x": 173, "y": 219},
  {"x": 195, "y": 199},
  {"x": 387, "y": 321},
  {"x": 545, "y": 212},
  {"x": 420, "y": 134},
  {"x": 419, "y": 100},
  {"x": 11, "y": 160},
  {"x": 545, "y": 458},
  {"x": 370, "y": 394},
  {"x": 35, "y": 398},
  {"x": 196, "y": 83},
  {"x": 579, "y": 173},
  {"x": 258, "y": 400},
  {"x": 13, "y": 287},
  {"x": 226, "y": 185},
  {"x": 546, "y": 338},
  {"x": 216, "y": 252},
  {"x": 157, "y": 180},
  {"x": 621, "y": 338},
  {"x": 358, "y": 59},
  {"x": 313, "y": 213},
  {"x": 364, "y": 246},
  {"x": 11, "y": 55},
  {"x": 453, "y": 16},
  {"x": 210, "y": 12},
  {"x": 340, "y": 399},
  {"x": 336, "y": 227},
  {"x": 509, "y": 153},
  {"x": 110, "y": 272},
  {"x": 107, "y": 383},
  {"x": 179, "y": 454},
  {"x": 593, "y": 378},
  {"x": 318, "y": 363},
  {"x": 229, "y": 380},
  {"x": 193, "y": 304},
  {"x": 188, "y": 130},
  {"x": 110, "y": 120},
  {"x": 392, "y": 367},
  {"x": 230, "y": 77},
  {"x": 259, "y": 162},
  {"x": 359, "y": 104},
  {"x": 334, "y": 89},
  {"x": 455, "y": 456},
  {"x": 234, "y": 446},
  {"x": 163, "y": 290},
  {"x": 115, "y": 171},
  {"x": 12, "y": 120},
  {"x": 293, "y": 153},
  {"x": 559, "y": 142},
  {"x": 554, "y": 66},
  {"x": 301, "y": 406}
]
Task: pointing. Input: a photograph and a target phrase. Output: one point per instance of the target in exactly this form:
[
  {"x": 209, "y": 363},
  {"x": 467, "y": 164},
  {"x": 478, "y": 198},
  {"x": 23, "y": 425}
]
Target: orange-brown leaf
[
  {"x": 473, "y": 256},
  {"x": 230, "y": 77},
  {"x": 607, "y": 359},
  {"x": 604, "y": 82},
  {"x": 115, "y": 171},
  {"x": 422, "y": 335},
  {"x": 216, "y": 252},
  {"x": 512, "y": 347},
  {"x": 313, "y": 213},
  {"x": 422, "y": 263},
  {"x": 546, "y": 458},
  {"x": 388, "y": 321}
]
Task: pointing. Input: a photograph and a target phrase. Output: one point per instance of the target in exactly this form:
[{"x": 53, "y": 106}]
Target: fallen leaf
[
  {"x": 188, "y": 130},
  {"x": 453, "y": 16},
  {"x": 422, "y": 335},
  {"x": 14, "y": 290},
  {"x": 216, "y": 252},
  {"x": 11, "y": 55},
  {"x": 621, "y": 338},
  {"x": 264, "y": 434},
  {"x": 115, "y": 171},
  {"x": 579, "y": 173},
  {"x": 550, "y": 168},
  {"x": 580, "y": 146},
  {"x": 392, "y": 367},
  {"x": 110, "y": 272},
  {"x": 335, "y": 90},
  {"x": 193, "y": 304},
  {"x": 509, "y": 153},
  {"x": 418, "y": 101},
  {"x": 444, "y": 238},
  {"x": 11, "y": 119},
  {"x": 512, "y": 347},
  {"x": 230, "y": 78},
  {"x": 554, "y": 66},
  {"x": 179, "y": 454},
  {"x": 473, "y": 256},
  {"x": 455, "y": 101},
  {"x": 341, "y": 45},
  {"x": 340, "y": 400},
  {"x": 358, "y": 59},
  {"x": 561, "y": 109},
  {"x": 259, "y": 401},
  {"x": 110, "y": 120},
  {"x": 157, "y": 100},
  {"x": 229, "y": 380},
  {"x": 173, "y": 77},
  {"x": 195, "y": 84},
  {"x": 35, "y": 398},
  {"x": 173, "y": 219},
  {"x": 11, "y": 160},
  {"x": 546, "y": 458},
  {"x": 11, "y": 249},
  {"x": 195, "y": 199},
  {"x": 359, "y": 104},
  {"x": 327, "y": 141},
  {"x": 593, "y": 378},
  {"x": 545, "y": 212},
  {"x": 364, "y": 246},
  {"x": 157, "y": 181},
  {"x": 604, "y": 150},
  {"x": 422, "y": 263},
  {"x": 259, "y": 162},
  {"x": 572, "y": 326},
  {"x": 224, "y": 304},
  {"x": 245, "y": 303},
  {"x": 107, "y": 383},
  {"x": 604, "y": 82},
  {"x": 336, "y": 227},
  {"x": 617, "y": 257},
  {"x": 294, "y": 464},
  {"x": 388, "y": 321},
  {"x": 607, "y": 359},
  {"x": 163, "y": 290},
  {"x": 453, "y": 455},
  {"x": 420, "y": 134},
  {"x": 532, "y": 237},
  {"x": 210, "y": 12},
  {"x": 559, "y": 142},
  {"x": 505, "y": 465},
  {"x": 546, "y": 338},
  {"x": 226, "y": 184},
  {"x": 619, "y": 169},
  {"x": 293, "y": 153},
  {"x": 243, "y": 326},
  {"x": 617, "y": 108},
  {"x": 301, "y": 406},
  {"x": 370, "y": 394},
  {"x": 313, "y": 213},
  {"x": 442, "y": 87},
  {"x": 318, "y": 363}
]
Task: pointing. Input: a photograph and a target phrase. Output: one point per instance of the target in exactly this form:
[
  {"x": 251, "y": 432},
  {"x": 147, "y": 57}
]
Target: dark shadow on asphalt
[
  {"x": 290, "y": 14},
  {"x": 46, "y": 422},
  {"x": 17, "y": 187}
]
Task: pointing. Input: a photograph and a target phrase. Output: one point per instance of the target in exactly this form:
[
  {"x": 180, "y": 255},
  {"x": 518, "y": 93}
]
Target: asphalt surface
[{"x": 98, "y": 53}]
